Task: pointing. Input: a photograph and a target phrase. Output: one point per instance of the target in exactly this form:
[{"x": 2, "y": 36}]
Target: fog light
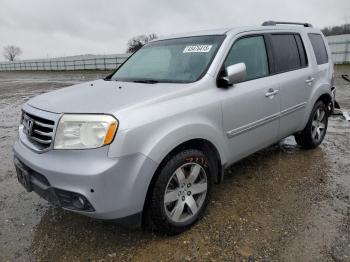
[
  {"x": 74, "y": 201},
  {"x": 78, "y": 202}
]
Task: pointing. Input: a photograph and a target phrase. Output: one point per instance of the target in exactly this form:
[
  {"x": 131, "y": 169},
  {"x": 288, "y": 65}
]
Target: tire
[
  {"x": 316, "y": 128},
  {"x": 179, "y": 198}
]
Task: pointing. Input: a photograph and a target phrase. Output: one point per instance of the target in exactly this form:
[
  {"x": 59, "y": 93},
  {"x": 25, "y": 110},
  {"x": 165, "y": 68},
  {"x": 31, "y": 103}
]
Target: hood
[{"x": 101, "y": 96}]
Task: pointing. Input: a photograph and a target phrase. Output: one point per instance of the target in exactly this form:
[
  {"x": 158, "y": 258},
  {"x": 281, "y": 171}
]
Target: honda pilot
[{"x": 146, "y": 144}]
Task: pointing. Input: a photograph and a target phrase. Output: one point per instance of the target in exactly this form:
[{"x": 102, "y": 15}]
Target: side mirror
[{"x": 234, "y": 74}]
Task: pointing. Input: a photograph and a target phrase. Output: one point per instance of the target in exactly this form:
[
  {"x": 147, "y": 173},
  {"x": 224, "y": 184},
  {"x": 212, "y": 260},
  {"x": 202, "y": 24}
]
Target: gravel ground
[{"x": 282, "y": 203}]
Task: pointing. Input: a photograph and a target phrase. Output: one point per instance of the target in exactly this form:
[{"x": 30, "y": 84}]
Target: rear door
[
  {"x": 251, "y": 108},
  {"x": 294, "y": 75}
]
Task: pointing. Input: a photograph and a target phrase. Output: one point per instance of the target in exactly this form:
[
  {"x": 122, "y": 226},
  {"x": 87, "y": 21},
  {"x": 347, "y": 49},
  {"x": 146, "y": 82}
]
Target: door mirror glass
[{"x": 234, "y": 74}]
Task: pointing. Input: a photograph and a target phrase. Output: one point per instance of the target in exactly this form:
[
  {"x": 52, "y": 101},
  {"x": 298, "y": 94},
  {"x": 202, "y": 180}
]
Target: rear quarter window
[{"x": 319, "y": 48}]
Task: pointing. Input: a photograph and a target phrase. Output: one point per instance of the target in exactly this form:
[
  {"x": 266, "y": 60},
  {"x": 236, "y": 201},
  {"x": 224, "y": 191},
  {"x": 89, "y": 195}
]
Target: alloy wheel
[
  {"x": 318, "y": 125},
  {"x": 185, "y": 192}
]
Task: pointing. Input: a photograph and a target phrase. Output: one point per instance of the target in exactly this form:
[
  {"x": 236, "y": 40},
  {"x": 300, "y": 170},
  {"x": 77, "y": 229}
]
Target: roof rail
[{"x": 274, "y": 23}]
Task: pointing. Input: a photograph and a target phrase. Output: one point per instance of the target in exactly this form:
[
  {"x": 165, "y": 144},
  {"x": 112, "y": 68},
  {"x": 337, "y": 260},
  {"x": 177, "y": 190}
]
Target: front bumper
[{"x": 114, "y": 187}]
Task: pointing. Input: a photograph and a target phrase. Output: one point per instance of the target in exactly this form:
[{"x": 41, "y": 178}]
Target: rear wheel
[
  {"x": 181, "y": 192},
  {"x": 316, "y": 128}
]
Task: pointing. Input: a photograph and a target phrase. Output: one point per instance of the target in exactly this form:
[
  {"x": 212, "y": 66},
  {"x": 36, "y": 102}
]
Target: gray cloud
[{"x": 64, "y": 27}]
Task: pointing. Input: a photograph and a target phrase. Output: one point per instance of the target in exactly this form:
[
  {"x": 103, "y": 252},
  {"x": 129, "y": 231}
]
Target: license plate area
[{"x": 23, "y": 176}]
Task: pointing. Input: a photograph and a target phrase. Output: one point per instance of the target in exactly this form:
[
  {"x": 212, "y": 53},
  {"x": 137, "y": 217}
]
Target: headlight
[{"x": 85, "y": 131}]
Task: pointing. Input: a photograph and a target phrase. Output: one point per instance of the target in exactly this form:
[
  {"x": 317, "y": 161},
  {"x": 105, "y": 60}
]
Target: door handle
[
  {"x": 309, "y": 80},
  {"x": 271, "y": 92}
]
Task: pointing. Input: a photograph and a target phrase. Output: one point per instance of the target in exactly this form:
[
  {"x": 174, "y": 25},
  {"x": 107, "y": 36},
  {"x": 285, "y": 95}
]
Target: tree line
[{"x": 336, "y": 30}]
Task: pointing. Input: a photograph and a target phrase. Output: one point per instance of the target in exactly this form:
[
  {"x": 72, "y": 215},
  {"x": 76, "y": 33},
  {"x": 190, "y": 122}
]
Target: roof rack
[{"x": 274, "y": 23}]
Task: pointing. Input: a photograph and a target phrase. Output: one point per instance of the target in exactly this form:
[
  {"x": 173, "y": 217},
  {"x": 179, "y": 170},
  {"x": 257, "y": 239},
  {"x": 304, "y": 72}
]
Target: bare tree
[
  {"x": 11, "y": 52},
  {"x": 137, "y": 42}
]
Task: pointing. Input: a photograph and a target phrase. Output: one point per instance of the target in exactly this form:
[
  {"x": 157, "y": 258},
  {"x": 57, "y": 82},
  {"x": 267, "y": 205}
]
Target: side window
[
  {"x": 285, "y": 50},
  {"x": 302, "y": 52},
  {"x": 252, "y": 52},
  {"x": 319, "y": 48}
]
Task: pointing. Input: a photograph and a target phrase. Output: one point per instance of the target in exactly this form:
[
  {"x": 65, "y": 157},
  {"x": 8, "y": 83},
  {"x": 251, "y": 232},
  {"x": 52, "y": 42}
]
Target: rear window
[
  {"x": 319, "y": 48},
  {"x": 286, "y": 54}
]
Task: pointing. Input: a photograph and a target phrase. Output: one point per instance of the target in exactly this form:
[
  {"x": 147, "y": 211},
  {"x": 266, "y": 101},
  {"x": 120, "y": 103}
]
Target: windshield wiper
[{"x": 146, "y": 81}]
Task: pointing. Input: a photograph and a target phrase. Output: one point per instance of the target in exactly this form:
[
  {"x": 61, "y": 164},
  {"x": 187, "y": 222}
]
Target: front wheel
[
  {"x": 316, "y": 128},
  {"x": 181, "y": 192}
]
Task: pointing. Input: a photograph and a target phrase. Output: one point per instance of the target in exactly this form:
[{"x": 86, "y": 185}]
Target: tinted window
[
  {"x": 252, "y": 52},
  {"x": 319, "y": 48},
  {"x": 302, "y": 52},
  {"x": 286, "y": 55}
]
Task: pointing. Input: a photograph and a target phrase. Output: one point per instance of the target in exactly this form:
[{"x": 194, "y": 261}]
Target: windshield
[{"x": 180, "y": 60}]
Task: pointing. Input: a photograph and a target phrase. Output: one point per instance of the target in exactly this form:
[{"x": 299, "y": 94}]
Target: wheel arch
[
  {"x": 327, "y": 99},
  {"x": 318, "y": 94},
  {"x": 201, "y": 144}
]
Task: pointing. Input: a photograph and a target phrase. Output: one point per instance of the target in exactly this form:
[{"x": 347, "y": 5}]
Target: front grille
[{"x": 38, "y": 130}]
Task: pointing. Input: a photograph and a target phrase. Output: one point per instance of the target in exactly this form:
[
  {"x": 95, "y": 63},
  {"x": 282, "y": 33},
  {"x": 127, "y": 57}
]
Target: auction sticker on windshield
[{"x": 197, "y": 49}]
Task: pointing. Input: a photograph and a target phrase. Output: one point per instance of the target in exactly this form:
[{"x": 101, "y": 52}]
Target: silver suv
[{"x": 145, "y": 144}]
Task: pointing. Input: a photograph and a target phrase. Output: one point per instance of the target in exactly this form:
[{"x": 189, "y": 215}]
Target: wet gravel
[{"x": 282, "y": 203}]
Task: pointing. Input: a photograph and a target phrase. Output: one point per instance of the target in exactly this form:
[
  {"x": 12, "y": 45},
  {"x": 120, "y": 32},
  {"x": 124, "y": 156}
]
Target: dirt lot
[{"x": 282, "y": 203}]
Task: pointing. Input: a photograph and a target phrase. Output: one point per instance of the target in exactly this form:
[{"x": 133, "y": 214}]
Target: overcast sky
[{"x": 53, "y": 28}]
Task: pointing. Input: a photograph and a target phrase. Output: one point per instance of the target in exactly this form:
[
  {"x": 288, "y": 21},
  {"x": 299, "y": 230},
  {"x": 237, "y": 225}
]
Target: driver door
[{"x": 251, "y": 108}]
